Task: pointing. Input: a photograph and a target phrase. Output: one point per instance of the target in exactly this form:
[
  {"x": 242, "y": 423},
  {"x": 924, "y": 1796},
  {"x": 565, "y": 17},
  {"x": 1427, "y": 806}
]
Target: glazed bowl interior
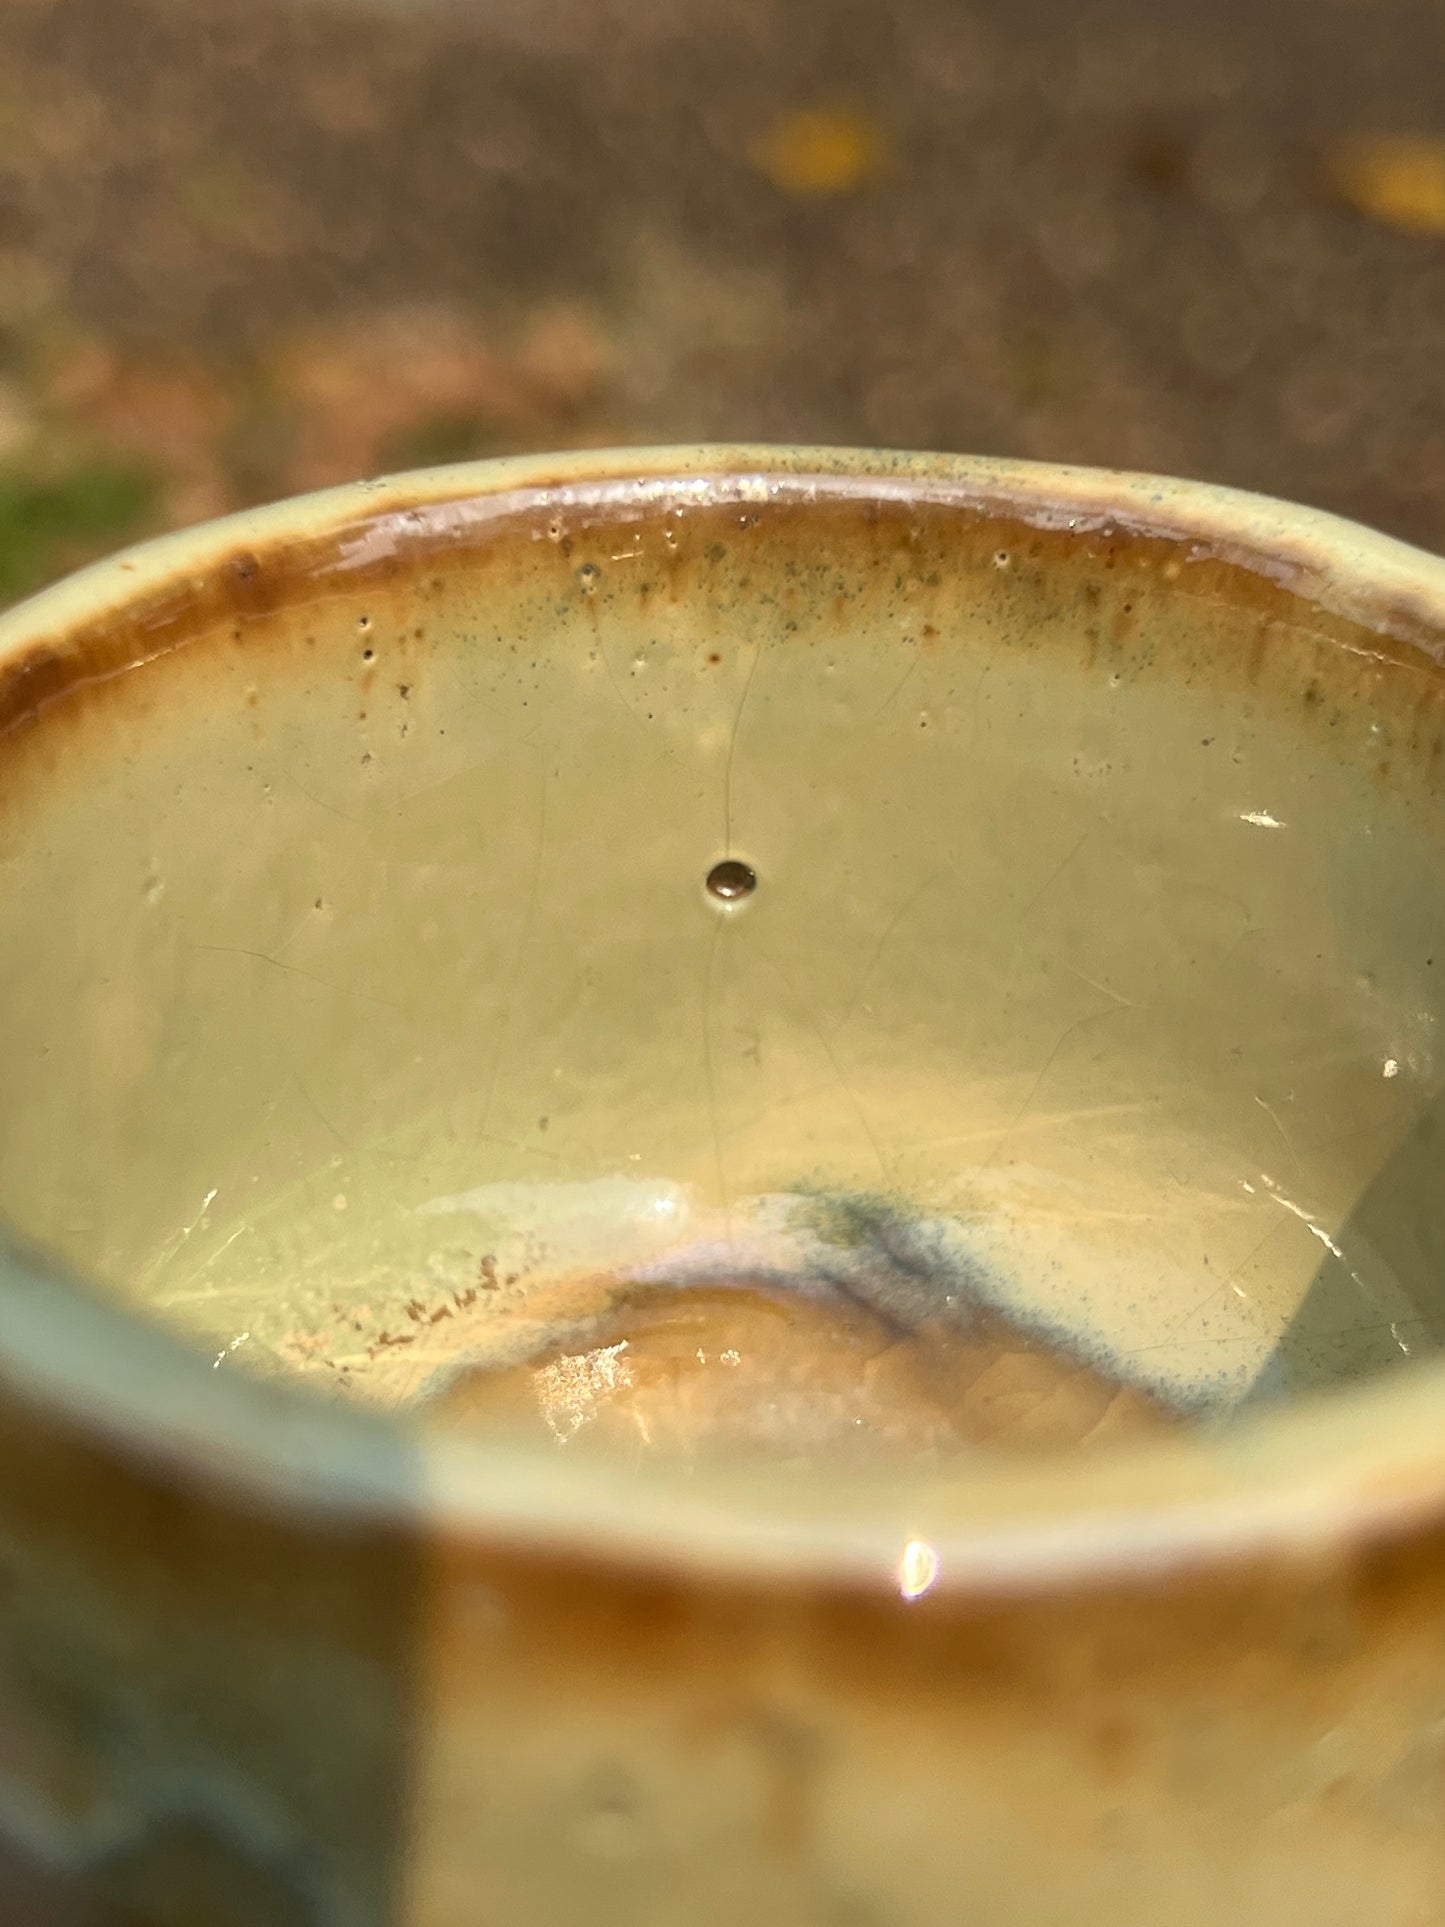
[{"x": 1062, "y": 1067}]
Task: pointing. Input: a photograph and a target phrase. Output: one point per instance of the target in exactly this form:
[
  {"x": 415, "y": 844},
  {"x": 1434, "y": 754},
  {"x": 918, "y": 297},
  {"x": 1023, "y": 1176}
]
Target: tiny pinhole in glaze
[{"x": 731, "y": 880}]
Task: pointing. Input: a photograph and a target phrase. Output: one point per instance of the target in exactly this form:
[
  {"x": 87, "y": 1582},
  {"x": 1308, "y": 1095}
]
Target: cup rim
[{"x": 1328, "y": 1474}]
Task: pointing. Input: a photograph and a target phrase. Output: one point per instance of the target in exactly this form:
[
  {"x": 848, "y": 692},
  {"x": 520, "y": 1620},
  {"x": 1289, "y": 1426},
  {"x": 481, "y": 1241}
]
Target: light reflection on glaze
[
  {"x": 570, "y": 1390},
  {"x": 918, "y": 1569}
]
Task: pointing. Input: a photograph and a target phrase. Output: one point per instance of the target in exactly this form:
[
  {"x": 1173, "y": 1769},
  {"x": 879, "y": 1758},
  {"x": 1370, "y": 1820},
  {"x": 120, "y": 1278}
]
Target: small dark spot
[
  {"x": 1205, "y": 741},
  {"x": 714, "y": 657},
  {"x": 731, "y": 880},
  {"x": 1160, "y": 159},
  {"x": 716, "y": 552},
  {"x": 543, "y": 1122},
  {"x": 403, "y": 689},
  {"x": 363, "y": 622},
  {"x": 245, "y": 566},
  {"x": 487, "y": 1273},
  {"x": 368, "y": 655},
  {"x": 320, "y": 903},
  {"x": 366, "y": 756}
]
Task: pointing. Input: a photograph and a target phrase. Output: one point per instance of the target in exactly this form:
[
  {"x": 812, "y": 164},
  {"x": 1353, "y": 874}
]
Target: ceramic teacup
[{"x": 724, "y": 1188}]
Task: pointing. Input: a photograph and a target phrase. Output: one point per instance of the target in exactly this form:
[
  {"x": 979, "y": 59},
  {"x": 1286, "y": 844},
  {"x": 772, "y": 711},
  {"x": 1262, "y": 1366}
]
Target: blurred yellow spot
[
  {"x": 822, "y": 150},
  {"x": 917, "y": 1569},
  {"x": 1400, "y": 181}
]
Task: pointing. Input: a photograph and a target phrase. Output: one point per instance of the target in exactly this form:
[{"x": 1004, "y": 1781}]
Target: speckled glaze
[{"x": 1097, "y": 846}]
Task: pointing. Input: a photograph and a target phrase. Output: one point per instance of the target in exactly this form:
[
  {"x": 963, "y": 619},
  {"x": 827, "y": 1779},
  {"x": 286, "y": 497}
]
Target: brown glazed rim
[{"x": 1297, "y": 1484}]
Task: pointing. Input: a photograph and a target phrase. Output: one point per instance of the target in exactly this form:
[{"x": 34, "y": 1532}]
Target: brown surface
[
  {"x": 245, "y": 590},
  {"x": 749, "y": 1370},
  {"x": 246, "y": 249}
]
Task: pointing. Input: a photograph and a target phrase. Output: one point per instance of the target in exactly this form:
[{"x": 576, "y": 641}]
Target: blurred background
[{"x": 248, "y": 247}]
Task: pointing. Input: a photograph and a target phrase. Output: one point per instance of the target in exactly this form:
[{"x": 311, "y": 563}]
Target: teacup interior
[{"x": 1070, "y": 1071}]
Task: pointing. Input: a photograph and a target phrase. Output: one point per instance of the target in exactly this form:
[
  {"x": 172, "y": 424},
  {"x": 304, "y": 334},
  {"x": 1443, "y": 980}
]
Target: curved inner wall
[{"x": 1073, "y": 1065}]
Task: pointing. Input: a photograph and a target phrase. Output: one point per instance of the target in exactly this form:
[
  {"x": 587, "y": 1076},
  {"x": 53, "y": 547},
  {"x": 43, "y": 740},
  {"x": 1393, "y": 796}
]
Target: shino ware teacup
[{"x": 723, "y": 1179}]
